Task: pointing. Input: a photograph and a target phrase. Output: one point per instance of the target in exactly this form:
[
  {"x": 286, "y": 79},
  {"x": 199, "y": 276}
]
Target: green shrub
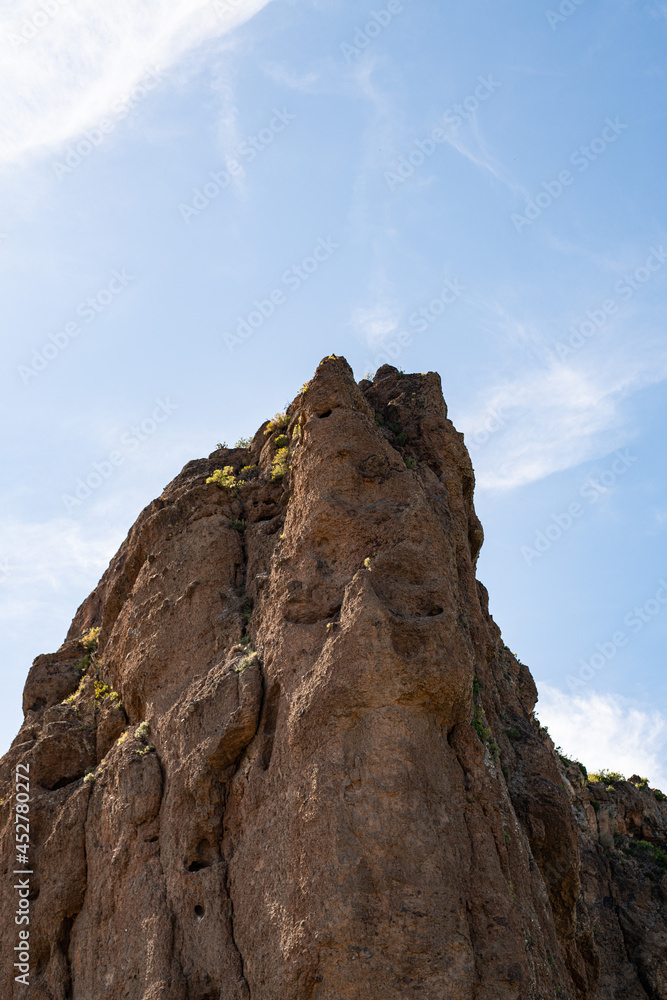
[
  {"x": 401, "y": 439},
  {"x": 238, "y": 525},
  {"x": 89, "y": 778},
  {"x": 649, "y": 851},
  {"x": 479, "y": 725},
  {"x": 279, "y": 423},
  {"x": 72, "y": 697},
  {"x": 89, "y": 640},
  {"x": 83, "y": 664},
  {"x": 281, "y": 440},
  {"x": 411, "y": 464},
  {"x": 221, "y": 445},
  {"x": 568, "y": 762},
  {"x": 605, "y": 777},
  {"x": 379, "y": 420},
  {"x": 660, "y": 796},
  {"x": 143, "y": 731},
  {"x": 224, "y": 478},
  {"x": 102, "y": 691},
  {"x": 280, "y": 464},
  {"x": 243, "y": 442},
  {"x": 248, "y": 472},
  {"x": 512, "y": 733},
  {"x": 246, "y": 661}
]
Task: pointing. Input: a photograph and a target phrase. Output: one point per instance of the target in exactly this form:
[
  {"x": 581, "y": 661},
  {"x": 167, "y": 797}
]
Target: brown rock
[{"x": 313, "y": 770}]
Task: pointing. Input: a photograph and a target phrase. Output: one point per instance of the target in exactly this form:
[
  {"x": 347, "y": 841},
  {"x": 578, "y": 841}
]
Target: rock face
[{"x": 301, "y": 764}]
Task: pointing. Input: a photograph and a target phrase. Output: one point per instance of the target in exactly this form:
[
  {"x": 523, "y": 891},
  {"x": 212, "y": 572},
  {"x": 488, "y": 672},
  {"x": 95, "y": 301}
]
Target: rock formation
[{"x": 283, "y": 753}]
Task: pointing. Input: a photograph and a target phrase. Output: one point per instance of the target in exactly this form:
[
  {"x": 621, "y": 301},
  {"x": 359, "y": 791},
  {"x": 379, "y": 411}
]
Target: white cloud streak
[
  {"x": 575, "y": 408},
  {"x": 607, "y": 731},
  {"x": 63, "y": 66}
]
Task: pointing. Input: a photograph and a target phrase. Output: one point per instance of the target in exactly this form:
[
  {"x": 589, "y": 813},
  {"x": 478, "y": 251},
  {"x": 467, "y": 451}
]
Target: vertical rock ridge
[{"x": 301, "y": 764}]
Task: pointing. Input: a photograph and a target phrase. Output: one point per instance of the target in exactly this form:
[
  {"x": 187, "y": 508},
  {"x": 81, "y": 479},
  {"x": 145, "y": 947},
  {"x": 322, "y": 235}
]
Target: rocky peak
[{"x": 284, "y": 754}]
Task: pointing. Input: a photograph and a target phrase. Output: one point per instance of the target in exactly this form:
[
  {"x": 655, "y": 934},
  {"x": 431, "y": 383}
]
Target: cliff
[{"x": 283, "y": 753}]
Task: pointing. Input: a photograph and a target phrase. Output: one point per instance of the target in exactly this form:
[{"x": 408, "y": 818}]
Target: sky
[{"x": 200, "y": 200}]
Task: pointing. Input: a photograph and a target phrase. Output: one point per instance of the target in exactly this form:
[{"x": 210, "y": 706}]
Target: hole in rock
[
  {"x": 199, "y": 911},
  {"x": 204, "y": 856},
  {"x": 327, "y": 413},
  {"x": 61, "y": 783}
]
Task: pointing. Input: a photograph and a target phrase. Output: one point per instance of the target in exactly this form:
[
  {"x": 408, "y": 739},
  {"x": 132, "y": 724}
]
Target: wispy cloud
[
  {"x": 471, "y": 145},
  {"x": 575, "y": 416},
  {"x": 607, "y": 731},
  {"x": 380, "y": 317},
  {"x": 54, "y": 553},
  {"x": 571, "y": 386},
  {"x": 62, "y": 71}
]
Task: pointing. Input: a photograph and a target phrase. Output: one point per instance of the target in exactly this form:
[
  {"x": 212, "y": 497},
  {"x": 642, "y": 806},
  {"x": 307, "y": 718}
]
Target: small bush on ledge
[
  {"x": 279, "y": 423},
  {"x": 280, "y": 466},
  {"x": 224, "y": 478}
]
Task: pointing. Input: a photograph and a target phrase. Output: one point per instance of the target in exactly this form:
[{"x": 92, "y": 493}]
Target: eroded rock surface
[{"x": 302, "y": 765}]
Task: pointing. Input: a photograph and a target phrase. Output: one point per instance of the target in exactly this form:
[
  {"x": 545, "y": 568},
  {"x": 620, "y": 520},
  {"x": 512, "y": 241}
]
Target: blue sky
[{"x": 200, "y": 200}]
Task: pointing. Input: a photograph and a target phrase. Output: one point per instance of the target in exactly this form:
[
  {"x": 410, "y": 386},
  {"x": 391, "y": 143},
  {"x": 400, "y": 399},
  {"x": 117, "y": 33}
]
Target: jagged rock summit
[{"x": 283, "y": 753}]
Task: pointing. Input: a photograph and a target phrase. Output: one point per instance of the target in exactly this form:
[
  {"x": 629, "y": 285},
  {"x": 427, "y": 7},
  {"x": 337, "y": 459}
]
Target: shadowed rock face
[{"x": 309, "y": 813}]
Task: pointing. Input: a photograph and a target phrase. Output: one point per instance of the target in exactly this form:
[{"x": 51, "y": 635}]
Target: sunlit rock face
[{"x": 297, "y": 761}]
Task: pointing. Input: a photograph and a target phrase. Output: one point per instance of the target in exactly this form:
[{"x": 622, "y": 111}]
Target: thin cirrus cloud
[
  {"x": 574, "y": 415},
  {"x": 64, "y": 65}
]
